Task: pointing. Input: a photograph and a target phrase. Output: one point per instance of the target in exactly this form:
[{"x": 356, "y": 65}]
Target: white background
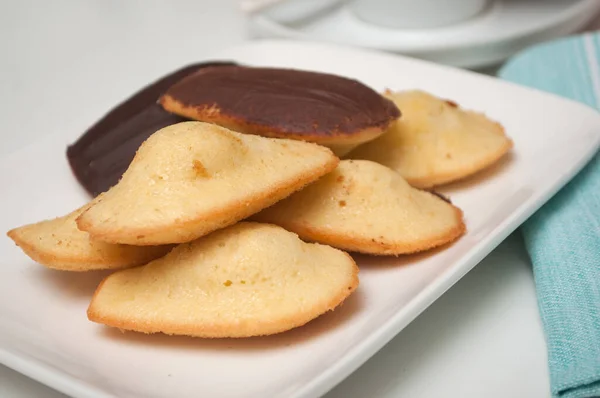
[{"x": 481, "y": 339}]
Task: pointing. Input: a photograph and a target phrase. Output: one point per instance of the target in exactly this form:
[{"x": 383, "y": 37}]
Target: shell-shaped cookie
[
  {"x": 59, "y": 244},
  {"x": 192, "y": 178},
  {"x": 327, "y": 109},
  {"x": 365, "y": 207},
  {"x": 436, "y": 141},
  {"x": 246, "y": 280}
]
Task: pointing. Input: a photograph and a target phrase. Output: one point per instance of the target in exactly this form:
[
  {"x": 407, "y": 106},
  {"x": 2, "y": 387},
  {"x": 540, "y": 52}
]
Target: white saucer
[{"x": 503, "y": 29}]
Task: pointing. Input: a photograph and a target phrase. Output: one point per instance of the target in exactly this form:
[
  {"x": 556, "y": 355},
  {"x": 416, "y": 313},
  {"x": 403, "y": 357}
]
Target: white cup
[
  {"x": 416, "y": 14},
  {"x": 292, "y": 11}
]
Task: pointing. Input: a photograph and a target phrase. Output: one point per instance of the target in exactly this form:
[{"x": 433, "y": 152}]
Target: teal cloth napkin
[{"x": 563, "y": 237}]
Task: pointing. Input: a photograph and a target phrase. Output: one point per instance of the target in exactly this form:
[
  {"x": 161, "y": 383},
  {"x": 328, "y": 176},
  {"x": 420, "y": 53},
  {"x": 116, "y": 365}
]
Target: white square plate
[{"x": 44, "y": 331}]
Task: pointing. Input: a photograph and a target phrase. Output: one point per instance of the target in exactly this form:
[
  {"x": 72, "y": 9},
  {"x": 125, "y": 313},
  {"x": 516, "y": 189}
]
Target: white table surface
[{"x": 483, "y": 338}]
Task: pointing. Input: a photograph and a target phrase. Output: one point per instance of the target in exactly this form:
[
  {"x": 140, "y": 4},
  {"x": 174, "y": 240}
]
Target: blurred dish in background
[
  {"x": 490, "y": 37},
  {"x": 422, "y": 14}
]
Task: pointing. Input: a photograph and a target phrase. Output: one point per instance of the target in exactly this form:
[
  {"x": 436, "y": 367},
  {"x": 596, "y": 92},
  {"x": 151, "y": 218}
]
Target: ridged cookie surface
[
  {"x": 192, "y": 178},
  {"x": 436, "y": 141},
  {"x": 58, "y": 244},
  {"x": 365, "y": 207},
  {"x": 246, "y": 280},
  {"x": 327, "y": 109}
]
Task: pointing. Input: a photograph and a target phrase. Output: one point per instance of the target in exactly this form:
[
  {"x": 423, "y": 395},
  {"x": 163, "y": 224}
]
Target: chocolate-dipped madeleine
[
  {"x": 102, "y": 154},
  {"x": 326, "y": 109}
]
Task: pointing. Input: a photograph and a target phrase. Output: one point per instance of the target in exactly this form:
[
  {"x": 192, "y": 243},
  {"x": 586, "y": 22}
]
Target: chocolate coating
[
  {"x": 101, "y": 155},
  {"x": 285, "y": 101}
]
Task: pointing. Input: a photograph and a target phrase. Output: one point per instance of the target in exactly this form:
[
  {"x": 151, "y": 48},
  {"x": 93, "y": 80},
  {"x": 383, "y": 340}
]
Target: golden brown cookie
[
  {"x": 365, "y": 207},
  {"x": 58, "y": 244},
  {"x": 192, "y": 178},
  {"x": 436, "y": 141},
  {"x": 330, "y": 110},
  {"x": 246, "y": 280}
]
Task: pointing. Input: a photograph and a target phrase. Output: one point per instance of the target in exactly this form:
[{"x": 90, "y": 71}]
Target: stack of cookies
[{"x": 234, "y": 216}]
